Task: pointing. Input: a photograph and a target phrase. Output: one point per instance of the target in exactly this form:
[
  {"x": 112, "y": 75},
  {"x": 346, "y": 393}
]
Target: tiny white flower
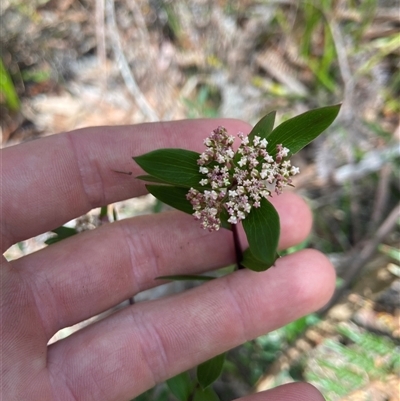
[
  {"x": 284, "y": 152},
  {"x": 213, "y": 211},
  {"x": 203, "y": 182},
  {"x": 197, "y": 215},
  {"x": 232, "y": 194},
  {"x": 220, "y": 158},
  {"x": 207, "y": 142},
  {"x": 241, "y": 215},
  {"x": 263, "y": 143},
  {"x": 230, "y": 153},
  {"x": 232, "y": 220},
  {"x": 269, "y": 159},
  {"x": 203, "y": 170},
  {"x": 256, "y": 140},
  {"x": 230, "y": 204},
  {"x": 255, "y": 162},
  {"x": 204, "y": 156},
  {"x": 294, "y": 170},
  {"x": 213, "y": 195},
  {"x": 242, "y": 162},
  {"x": 285, "y": 172},
  {"x": 245, "y": 140},
  {"x": 240, "y": 190}
]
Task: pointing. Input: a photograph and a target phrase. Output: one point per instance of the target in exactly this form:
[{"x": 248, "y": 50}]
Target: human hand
[{"x": 50, "y": 181}]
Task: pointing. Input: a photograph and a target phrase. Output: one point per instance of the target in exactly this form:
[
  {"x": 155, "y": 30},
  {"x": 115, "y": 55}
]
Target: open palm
[{"x": 50, "y": 181}]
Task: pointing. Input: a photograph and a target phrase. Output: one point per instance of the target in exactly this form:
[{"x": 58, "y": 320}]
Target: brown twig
[{"x": 381, "y": 196}]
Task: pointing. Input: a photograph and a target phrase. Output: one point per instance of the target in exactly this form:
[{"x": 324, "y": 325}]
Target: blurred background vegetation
[{"x": 72, "y": 63}]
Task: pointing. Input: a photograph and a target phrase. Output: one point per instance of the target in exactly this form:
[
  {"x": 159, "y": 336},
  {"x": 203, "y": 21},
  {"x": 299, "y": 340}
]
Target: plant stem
[{"x": 238, "y": 248}]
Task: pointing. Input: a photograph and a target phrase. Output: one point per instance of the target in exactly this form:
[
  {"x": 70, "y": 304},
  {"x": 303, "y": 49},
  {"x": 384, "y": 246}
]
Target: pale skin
[{"x": 50, "y": 181}]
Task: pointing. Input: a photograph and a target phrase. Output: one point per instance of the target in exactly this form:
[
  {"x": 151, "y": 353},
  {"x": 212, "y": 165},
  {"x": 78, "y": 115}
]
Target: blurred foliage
[
  {"x": 390, "y": 251},
  {"x": 8, "y": 94},
  {"x": 205, "y": 103},
  {"x": 341, "y": 367},
  {"x": 249, "y": 362},
  {"x": 36, "y": 76}
]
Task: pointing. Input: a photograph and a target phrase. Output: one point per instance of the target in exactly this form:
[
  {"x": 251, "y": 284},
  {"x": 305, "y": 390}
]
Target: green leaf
[
  {"x": 186, "y": 277},
  {"x": 299, "y": 131},
  {"x": 150, "y": 178},
  {"x": 172, "y": 196},
  {"x": 174, "y": 166},
  {"x": 209, "y": 371},
  {"x": 62, "y": 233},
  {"x": 262, "y": 229},
  {"x": 7, "y": 89},
  {"x": 207, "y": 394},
  {"x": 264, "y": 127},
  {"x": 180, "y": 386},
  {"x": 253, "y": 263}
]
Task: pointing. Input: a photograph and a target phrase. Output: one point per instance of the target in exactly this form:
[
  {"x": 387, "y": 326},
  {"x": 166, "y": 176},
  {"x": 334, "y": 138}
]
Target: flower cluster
[{"x": 236, "y": 182}]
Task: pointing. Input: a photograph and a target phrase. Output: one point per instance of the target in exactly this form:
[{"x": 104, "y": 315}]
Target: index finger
[{"x": 52, "y": 180}]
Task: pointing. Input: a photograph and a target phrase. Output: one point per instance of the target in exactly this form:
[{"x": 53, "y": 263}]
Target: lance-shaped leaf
[
  {"x": 205, "y": 395},
  {"x": 262, "y": 230},
  {"x": 172, "y": 196},
  {"x": 180, "y": 386},
  {"x": 264, "y": 127},
  {"x": 209, "y": 371},
  {"x": 173, "y": 166},
  {"x": 253, "y": 263},
  {"x": 299, "y": 131},
  {"x": 150, "y": 178}
]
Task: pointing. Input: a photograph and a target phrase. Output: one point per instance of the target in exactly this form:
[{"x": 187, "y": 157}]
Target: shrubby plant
[{"x": 221, "y": 187}]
